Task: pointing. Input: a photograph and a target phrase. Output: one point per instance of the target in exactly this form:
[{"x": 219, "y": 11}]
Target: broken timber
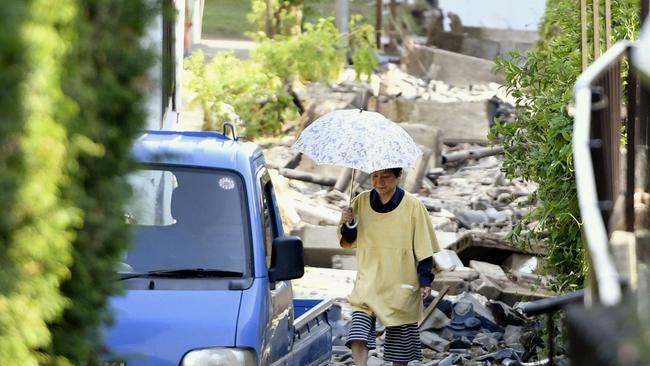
[
  {"x": 471, "y": 154},
  {"x": 307, "y": 177}
]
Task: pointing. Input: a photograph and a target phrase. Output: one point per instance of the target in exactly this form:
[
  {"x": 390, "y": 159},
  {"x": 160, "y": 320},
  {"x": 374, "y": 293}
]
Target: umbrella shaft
[{"x": 351, "y": 188}]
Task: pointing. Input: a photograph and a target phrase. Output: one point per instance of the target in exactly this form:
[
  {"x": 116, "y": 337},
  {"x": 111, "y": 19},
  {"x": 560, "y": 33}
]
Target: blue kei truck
[{"x": 206, "y": 278}]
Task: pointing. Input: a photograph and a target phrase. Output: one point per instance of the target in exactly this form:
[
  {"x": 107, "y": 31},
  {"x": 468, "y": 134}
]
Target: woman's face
[{"x": 384, "y": 181}]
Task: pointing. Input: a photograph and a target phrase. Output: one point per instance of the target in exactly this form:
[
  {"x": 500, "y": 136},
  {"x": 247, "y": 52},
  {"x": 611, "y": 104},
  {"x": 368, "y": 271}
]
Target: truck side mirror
[{"x": 287, "y": 260}]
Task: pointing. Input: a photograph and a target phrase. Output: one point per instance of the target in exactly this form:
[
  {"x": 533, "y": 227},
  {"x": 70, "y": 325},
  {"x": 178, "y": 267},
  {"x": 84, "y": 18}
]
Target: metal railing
[{"x": 596, "y": 154}]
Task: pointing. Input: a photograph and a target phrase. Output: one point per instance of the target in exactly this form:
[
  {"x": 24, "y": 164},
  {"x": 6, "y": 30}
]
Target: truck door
[{"x": 279, "y": 337}]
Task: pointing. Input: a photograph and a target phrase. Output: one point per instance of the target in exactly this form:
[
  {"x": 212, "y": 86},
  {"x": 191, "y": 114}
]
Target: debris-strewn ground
[{"x": 472, "y": 206}]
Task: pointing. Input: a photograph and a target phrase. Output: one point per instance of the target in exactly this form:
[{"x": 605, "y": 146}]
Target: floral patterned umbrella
[{"x": 358, "y": 139}]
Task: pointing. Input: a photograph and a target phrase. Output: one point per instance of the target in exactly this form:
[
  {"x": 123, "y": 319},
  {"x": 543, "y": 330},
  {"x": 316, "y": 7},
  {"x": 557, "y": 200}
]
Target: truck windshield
[{"x": 186, "y": 218}]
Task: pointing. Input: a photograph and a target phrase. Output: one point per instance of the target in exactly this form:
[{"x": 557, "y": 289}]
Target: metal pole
[
  {"x": 351, "y": 188},
  {"x": 631, "y": 142},
  {"x": 392, "y": 26},
  {"x": 584, "y": 51},
  {"x": 378, "y": 12},
  {"x": 342, "y": 15},
  {"x": 596, "y": 17},
  {"x": 550, "y": 327}
]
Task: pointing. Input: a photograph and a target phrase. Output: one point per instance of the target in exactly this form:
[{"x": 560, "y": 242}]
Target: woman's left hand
[{"x": 425, "y": 292}]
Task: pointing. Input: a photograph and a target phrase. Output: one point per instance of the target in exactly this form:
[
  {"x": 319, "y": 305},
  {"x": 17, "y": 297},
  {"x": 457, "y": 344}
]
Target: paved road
[{"x": 212, "y": 46}]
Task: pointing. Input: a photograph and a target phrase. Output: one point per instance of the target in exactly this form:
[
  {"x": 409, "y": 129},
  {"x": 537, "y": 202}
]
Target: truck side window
[{"x": 268, "y": 214}]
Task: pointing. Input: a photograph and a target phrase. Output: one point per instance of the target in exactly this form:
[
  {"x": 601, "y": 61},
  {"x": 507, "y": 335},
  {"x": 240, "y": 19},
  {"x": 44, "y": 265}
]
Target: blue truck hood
[{"x": 157, "y": 327}]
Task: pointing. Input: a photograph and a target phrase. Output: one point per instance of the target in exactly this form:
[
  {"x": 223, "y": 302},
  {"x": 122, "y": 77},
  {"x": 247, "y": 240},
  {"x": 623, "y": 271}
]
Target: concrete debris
[{"x": 471, "y": 203}]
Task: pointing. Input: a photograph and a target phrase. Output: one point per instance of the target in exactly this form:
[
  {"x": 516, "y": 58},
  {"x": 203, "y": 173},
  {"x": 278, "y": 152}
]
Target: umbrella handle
[
  {"x": 351, "y": 188},
  {"x": 356, "y": 219}
]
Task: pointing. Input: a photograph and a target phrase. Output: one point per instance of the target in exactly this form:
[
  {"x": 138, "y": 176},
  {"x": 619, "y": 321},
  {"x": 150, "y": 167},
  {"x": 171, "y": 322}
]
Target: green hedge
[
  {"x": 538, "y": 143},
  {"x": 72, "y": 75},
  {"x": 35, "y": 225},
  {"x": 105, "y": 75}
]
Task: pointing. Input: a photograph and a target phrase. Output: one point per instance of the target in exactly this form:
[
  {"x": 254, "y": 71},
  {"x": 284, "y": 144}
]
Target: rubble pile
[
  {"x": 469, "y": 329},
  {"x": 471, "y": 204}
]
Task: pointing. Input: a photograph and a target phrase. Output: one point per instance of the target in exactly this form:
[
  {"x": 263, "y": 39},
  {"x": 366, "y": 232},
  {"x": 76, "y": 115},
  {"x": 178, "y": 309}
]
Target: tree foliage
[{"x": 538, "y": 143}]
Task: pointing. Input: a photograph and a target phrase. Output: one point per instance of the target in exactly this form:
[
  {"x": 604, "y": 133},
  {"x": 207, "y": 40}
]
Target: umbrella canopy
[{"x": 358, "y": 139}]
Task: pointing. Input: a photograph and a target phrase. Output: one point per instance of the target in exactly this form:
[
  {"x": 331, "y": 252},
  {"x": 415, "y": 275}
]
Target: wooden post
[
  {"x": 268, "y": 21},
  {"x": 378, "y": 13},
  {"x": 608, "y": 24},
  {"x": 584, "y": 51},
  {"x": 392, "y": 23},
  {"x": 596, "y": 13}
]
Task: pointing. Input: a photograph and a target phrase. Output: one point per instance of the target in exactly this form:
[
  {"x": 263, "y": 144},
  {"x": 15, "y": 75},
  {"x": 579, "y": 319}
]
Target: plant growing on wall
[{"x": 538, "y": 144}]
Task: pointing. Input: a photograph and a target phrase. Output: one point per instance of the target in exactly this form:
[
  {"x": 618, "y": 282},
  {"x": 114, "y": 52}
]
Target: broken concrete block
[
  {"x": 487, "y": 341},
  {"x": 521, "y": 262},
  {"x": 316, "y": 215},
  {"x": 513, "y": 293},
  {"x": 429, "y": 137},
  {"x": 348, "y": 262},
  {"x": 446, "y": 259},
  {"x": 489, "y": 270},
  {"x": 454, "y": 68},
  {"x": 464, "y": 273},
  {"x": 479, "y": 304},
  {"x": 413, "y": 178},
  {"x": 434, "y": 341},
  {"x": 512, "y": 338},
  {"x": 486, "y": 287},
  {"x": 320, "y": 243},
  {"x": 445, "y": 238},
  {"x": 456, "y": 285},
  {"x": 437, "y": 320},
  {"x": 471, "y": 218}
]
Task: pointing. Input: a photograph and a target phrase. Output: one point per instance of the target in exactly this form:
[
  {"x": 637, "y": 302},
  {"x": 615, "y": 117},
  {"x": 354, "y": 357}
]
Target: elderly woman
[{"x": 395, "y": 241}]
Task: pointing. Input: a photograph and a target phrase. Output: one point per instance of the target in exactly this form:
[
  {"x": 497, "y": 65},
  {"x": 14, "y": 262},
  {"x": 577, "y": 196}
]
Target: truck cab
[{"x": 206, "y": 278}]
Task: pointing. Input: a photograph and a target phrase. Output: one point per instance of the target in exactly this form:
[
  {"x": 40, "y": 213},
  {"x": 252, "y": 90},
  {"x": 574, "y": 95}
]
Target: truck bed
[{"x": 312, "y": 333}]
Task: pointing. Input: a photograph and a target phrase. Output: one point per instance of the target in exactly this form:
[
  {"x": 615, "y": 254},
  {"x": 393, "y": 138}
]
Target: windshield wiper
[{"x": 182, "y": 273}]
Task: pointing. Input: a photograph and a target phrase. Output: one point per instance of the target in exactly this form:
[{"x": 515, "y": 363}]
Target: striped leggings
[{"x": 401, "y": 344}]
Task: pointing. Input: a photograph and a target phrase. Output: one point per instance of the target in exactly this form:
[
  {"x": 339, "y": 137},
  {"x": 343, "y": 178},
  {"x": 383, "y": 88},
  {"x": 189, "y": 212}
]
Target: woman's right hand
[{"x": 346, "y": 215}]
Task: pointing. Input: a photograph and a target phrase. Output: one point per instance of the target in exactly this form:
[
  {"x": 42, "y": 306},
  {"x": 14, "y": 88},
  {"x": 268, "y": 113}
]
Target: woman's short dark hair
[{"x": 396, "y": 172}]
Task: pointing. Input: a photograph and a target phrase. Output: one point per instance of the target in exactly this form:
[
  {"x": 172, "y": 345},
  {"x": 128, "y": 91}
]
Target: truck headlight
[{"x": 220, "y": 357}]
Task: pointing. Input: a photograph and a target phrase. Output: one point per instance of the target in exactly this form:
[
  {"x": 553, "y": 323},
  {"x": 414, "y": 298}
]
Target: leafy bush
[
  {"x": 284, "y": 18},
  {"x": 228, "y": 89},
  {"x": 254, "y": 92},
  {"x": 315, "y": 55},
  {"x": 104, "y": 75},
  {"x": 35, "y": 225},
  {"x": 364, "y": 49},
  {"x": 538, "y": 143}
]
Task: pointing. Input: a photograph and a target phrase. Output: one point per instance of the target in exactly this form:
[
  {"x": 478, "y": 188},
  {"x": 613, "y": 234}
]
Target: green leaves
[
  {"x": 229, "y": 89},
  {"x": 36, "y": 224},
  {"x": 538, "y": 143},
  {"x": 254, "y": 92}
]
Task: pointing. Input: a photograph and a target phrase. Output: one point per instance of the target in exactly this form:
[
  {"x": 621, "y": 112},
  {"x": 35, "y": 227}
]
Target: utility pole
[
  {"x": 378, "y": 13},
  {"x": 342, "y": 15}
]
